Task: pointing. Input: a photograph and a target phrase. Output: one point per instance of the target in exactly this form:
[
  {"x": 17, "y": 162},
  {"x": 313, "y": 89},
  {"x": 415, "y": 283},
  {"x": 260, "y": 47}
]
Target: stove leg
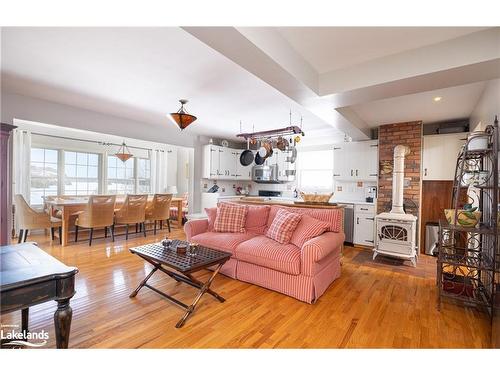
[{"x": 374, "y": 255}]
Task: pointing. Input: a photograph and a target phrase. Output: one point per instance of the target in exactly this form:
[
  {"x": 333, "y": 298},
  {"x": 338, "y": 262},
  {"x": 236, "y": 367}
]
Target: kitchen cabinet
[
  {"x": 340, "y": 169},
  {"x": 355, "y": 161},
  {"x": 439, "y": 155},
  {"x": 223, "y": 163},
  {"x": 364, "y": 224},
  {"x": 371, "y": 152}
]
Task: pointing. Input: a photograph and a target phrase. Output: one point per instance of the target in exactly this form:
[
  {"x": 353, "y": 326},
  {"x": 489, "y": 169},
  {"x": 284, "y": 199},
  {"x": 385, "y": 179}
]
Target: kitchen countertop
[
  {"x": 347, "y": 201},
  {"x": 284, "y": 202}
]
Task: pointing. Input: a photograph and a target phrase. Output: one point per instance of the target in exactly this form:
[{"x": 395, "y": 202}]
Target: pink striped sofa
[{"x": 303, "y": 273}]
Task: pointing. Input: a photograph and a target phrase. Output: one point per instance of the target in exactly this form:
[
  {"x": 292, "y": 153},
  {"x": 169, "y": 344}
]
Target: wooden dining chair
[
  {"x": 99, "y": 213},
  {"x": 28, "y": 218},
  {"x": 133, "y": 211},
  {"x": 159, "y": 210}
]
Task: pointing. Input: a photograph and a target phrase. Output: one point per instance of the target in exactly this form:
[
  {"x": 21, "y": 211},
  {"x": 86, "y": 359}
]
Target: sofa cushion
[
  {"x": 283, "y": 225},
  {"x": 308, "y": 228},
  {"x": 230, "y": 218},
  {"x": 329, "y": 215},
  {"x": 221, "y": 241},
  {"x": 257, "y": 219},
  {"x": 265, "y": 252},
  {"x": 212, "y": 214}
]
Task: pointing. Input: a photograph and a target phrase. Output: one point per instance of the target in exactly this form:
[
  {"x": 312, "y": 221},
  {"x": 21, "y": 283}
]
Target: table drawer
[{"x": 22, "y": 297}]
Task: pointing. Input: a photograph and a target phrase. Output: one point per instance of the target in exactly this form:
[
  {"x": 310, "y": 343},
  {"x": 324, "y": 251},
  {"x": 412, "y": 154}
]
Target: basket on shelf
[
  {"x": 464, "y": 218},
  {"x": 316, "y": 198}
]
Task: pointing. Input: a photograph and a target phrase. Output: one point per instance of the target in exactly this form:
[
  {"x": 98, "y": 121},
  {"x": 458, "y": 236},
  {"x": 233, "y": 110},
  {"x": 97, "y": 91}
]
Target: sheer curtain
[
  {"x": 159, "y": 171},
  {"x": 21, "y": 163}
]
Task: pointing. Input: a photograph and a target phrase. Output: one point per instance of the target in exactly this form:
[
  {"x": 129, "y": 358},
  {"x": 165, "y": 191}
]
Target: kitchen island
[{"x": 288, "y": 203}]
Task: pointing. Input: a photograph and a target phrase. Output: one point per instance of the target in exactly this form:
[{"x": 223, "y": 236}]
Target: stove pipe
[{"x": 398, "y": 174}]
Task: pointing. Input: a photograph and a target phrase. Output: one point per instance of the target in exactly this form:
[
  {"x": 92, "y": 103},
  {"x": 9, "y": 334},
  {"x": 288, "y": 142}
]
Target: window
[
  {"x": 44, "y": 174},
  {"x": 81, "y": 173},
  {"x": 143, "y": 176},
  {"x": 121, "y": 178},
  {"x": 315, "y": 171}
]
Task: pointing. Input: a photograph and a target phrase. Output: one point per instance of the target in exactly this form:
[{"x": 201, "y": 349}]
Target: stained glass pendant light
[
  {"x": 123, "y": 153},
  {"x": 181, "y": 117}
]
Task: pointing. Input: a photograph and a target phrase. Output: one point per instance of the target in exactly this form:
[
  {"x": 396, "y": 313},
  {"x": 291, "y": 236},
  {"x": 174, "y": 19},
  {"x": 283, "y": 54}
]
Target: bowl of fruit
[{"x": 468, "y": 216}]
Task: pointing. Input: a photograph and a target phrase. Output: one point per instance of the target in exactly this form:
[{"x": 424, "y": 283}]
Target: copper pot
[{"x": 265, "y": 150}]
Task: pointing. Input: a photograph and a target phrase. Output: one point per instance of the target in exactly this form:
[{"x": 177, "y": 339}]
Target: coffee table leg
[
  {"x": 62, "y": 322},
  {"x": 209, "y": 291},
  {"x": 143, "y": 282},
  {"x": 203, "y": 290}
]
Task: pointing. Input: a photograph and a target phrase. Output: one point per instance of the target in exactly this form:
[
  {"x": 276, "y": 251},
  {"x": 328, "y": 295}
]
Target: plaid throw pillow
[
  {"x": 230, "y": 218},
  {"x": 283, "y": 225}
]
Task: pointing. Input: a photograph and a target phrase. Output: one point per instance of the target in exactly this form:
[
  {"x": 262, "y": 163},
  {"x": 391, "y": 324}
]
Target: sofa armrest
[
  {"x": 194, "y": 227},
  {"x": 318, "y": 248}
]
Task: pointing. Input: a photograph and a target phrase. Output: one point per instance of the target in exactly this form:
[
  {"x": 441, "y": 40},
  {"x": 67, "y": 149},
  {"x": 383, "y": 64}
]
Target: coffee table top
[{"x": 205, "y": 256}]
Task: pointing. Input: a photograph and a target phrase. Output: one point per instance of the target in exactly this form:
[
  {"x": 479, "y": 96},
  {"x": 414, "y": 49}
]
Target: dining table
[{"x": 70, "y": 206}]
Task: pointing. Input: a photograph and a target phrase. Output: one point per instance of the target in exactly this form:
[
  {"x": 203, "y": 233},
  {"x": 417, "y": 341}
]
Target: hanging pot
[
  {"x": 282, "y": 144},
  {"x": 265, "y": 150},
  {"x": 246, "y": 157},
  {"x": 258, "y": 159},
  {"x": 293, "y": 157}
]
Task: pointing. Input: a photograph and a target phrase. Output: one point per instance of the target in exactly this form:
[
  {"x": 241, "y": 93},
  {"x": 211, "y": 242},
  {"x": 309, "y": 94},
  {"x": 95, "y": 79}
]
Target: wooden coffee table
[{"x": 183, "y": 267}]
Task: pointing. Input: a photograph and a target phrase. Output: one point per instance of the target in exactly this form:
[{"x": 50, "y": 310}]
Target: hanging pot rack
[{"x": 274, "y": 133}]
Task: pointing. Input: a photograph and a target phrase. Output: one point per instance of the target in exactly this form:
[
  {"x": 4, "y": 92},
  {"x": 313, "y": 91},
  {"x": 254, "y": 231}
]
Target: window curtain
[
  {"x": 21, "y": 163},
  {"x": 159, "y": 171}
]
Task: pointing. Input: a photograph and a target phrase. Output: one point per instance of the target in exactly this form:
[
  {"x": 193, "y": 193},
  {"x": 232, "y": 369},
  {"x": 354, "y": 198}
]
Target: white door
[
  {"x": 214, "y": 161},
  {"x": 339, "y": 162},
  {"x": 227, "y": 163},
  {"x": 440, "y": 155},
  {"x": 363, "y": 229},
  {"x": 371, "y": 158}
]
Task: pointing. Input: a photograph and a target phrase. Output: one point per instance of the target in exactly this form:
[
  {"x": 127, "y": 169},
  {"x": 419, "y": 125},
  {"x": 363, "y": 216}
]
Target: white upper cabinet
[
  {"x": 356, "y": 161},
  {"x": 340, "y": 169},
  {"x": 222, "y": 163},
  {"x": 439, "y": 156}
]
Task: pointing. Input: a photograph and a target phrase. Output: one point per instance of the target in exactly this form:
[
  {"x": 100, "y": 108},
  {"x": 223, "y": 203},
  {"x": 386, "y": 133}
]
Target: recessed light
[{"x": 437, "y": 98}]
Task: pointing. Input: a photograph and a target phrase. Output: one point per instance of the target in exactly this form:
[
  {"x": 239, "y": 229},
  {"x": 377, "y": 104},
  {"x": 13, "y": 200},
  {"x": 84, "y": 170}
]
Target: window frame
[
  {"x": 58, "y": 166},
  {"x": 102, "y": 171}
]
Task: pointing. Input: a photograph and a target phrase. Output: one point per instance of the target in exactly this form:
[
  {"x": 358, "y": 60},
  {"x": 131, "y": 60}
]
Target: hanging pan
[
  {"x": 246, "y": 157},
  {"x": 259, "y": 160}
]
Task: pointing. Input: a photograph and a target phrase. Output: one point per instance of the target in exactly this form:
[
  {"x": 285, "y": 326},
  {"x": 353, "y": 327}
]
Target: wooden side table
[{"x": 29, "y": 276}]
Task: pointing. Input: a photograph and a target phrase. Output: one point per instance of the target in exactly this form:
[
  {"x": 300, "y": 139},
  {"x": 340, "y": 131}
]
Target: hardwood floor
[{"x": 379, "y": 304}]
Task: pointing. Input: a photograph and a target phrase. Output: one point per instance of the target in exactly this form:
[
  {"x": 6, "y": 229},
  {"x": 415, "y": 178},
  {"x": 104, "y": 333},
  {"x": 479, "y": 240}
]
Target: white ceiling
[
  {"x": 140, "y": 73},
  {"x": 457, "y": 102},
  {"x": 331, "y": 48}
]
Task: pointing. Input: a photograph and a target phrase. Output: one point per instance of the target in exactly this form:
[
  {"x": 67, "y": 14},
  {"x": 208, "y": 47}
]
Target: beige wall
[{"x": 487, "y": 107}]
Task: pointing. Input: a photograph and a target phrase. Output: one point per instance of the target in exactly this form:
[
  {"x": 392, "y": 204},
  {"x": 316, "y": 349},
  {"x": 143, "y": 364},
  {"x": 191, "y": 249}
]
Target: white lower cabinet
[{"x": 364, "y": 224}]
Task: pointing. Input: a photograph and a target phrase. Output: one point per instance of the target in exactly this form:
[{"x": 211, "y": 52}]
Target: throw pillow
[
  {"x": 308, "y": 228},
  {"x": 283, "y": 225},
  {"x": 231, "y": 218}
]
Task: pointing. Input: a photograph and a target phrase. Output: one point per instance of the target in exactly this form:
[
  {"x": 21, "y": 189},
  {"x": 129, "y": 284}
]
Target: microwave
[{"x": 265, "y": 174}]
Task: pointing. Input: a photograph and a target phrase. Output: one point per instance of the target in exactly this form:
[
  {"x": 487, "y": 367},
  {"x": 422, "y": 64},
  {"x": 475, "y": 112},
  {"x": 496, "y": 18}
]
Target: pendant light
[
  {"x": 181, "y": 117},
  {"x": 123, "y": 153}
]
